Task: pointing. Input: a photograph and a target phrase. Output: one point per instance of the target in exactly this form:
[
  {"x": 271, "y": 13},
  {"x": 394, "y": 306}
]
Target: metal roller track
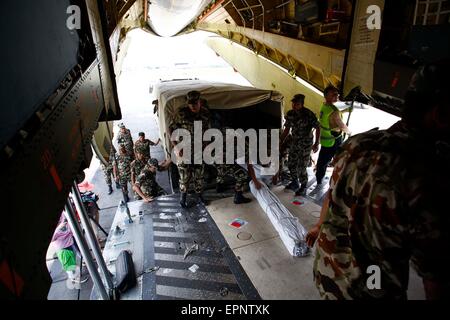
[{"x": 158, "y": 238}]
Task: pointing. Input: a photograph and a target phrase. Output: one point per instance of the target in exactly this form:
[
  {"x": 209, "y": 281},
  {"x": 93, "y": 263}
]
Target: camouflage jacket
[
  {"x": 123, "y": 165},
  {"x": 146, "y": 180},
  {"x": 385, "y": 210},
  {"x": 301, "y": 123},
  {"x": 185, "y": 119},
  {"x": 136, "y": 167},
  {"x": 125, "y": 139},
  {"x": 143, "y": 147}
]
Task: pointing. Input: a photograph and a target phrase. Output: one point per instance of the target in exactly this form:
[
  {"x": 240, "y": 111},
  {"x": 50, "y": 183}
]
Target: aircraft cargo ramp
[{"x": 159, "y": 238}]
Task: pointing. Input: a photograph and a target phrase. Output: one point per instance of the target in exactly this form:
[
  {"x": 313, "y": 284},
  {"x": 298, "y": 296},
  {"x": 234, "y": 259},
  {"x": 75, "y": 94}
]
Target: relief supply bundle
[{"x": 291, "y": 232}]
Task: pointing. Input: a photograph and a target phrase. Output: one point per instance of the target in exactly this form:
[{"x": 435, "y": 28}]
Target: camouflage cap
[
  {"x": 193, "y": 96},
  {"x": 153, "y": 162},
  {"x": 141, "y": 134},
  {"x": 121, "y": 125}
]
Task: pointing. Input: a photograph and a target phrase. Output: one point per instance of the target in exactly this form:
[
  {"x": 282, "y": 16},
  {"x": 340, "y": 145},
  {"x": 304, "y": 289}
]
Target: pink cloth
[{"x": 63, "y": 237}]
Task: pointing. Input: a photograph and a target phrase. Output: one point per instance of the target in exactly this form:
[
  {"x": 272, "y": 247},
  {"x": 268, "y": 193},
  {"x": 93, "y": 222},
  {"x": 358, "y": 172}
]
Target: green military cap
[
  {"x": 193, "y": 96},
  {"x": 153, "y": 162}
]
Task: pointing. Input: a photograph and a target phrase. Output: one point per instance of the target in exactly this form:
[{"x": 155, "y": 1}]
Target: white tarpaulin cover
[
  {"x": 171, "y": 97},
  {"x": 291, "y": 232}
]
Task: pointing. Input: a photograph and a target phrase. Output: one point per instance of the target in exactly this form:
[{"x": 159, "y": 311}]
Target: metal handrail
[
  {"x": 224, "y": 5},
  {"x": 84, "y": 218},
  {"x": 270, "y": 10},
  {"x": 249, "y": 6},
  {"x": 83, "y": 246},
  {"x": 251, "y": 10},
  {"x": 260, "y": 5},
  {"x": 242, "y": 18},
  {"x": 263, "y": 15}
]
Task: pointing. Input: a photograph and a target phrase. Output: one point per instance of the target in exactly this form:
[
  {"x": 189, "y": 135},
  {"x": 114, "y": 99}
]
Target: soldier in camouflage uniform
[
  {"x": 233, "y": 170},
  {"x": 301, "y": 121},
  {"x": 137, "y": 166},
  {"x": 124, "y": 139},
  {"x": 143, "y": 145},
  {"x": 385, "y": 204},
  {"x": 108, "y": 169},
  {"x": 123, "y": 171},
  {"x": 146, "y": 185},
  {"x": 194, "y": 111}
]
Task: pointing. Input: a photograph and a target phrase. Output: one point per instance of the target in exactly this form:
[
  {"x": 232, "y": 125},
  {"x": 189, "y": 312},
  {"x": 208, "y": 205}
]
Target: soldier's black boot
[
  {"x": 110, "y": 189},
  {"x": 239, "y": 198},
  {"x": 125, "y": 196},
  {"x": 301, "y": 191},
  {"x": 220, "y": 187},
  {"x": 201, "y": 199},
  {"x": 183, "y": 202},
  {"x": 293, "y": 185}
]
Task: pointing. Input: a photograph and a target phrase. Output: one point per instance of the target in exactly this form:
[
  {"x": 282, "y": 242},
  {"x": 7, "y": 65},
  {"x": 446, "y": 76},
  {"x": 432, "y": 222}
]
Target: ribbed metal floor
[{"x": 158, "y": 238}]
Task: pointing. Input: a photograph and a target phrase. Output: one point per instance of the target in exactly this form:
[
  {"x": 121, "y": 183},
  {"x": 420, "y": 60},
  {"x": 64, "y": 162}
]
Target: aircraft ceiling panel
[{"x": 168, "y": 17}]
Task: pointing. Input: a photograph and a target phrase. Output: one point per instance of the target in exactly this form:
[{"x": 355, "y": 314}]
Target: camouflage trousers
[
  {"x": 154, "y": 190},
  {"x": 123, "y": 181},
  {"x": 233, "y": 170},
  {"x": 188, "y": 172},
  {"x": 107, "y": 173},
  {"x": 298, "y": 161}
]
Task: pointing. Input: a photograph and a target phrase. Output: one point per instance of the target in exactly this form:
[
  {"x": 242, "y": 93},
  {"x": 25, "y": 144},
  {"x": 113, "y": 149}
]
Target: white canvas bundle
[{"x": 291, "y": 232}]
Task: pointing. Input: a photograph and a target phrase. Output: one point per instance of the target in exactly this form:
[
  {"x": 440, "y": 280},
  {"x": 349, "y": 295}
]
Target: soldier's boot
[
  {"x": 125, "y": 196},
  {"x": 183, "y": 201},
  {"x": 293, "y": 185},
  {"x": 202, "y": 200},
  {"x": 301, "y": 191},
  {"x": 239, "y": 198},
  {"x": 220, "y": 187},
  {"x": 110, "y": 189}
]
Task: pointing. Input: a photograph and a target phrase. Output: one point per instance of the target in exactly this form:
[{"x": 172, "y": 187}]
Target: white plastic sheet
[
  {"x": 259, "y": 172},
  {"x": 291, "y": 232}
]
